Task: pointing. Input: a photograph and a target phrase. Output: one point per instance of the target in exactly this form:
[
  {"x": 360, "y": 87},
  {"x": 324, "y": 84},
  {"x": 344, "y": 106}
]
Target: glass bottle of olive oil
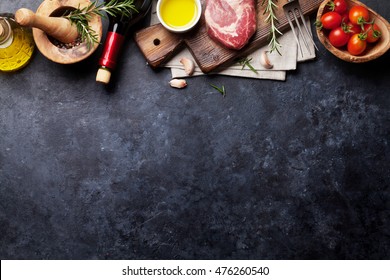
[{"x": 16, "y": 44}]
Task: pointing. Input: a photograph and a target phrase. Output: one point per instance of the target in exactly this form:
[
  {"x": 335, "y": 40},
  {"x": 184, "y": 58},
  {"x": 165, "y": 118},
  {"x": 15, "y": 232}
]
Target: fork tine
[
  {"x": 287, "y": 13},
  {"x": 293, "y": 13},
  {"x": 300, "y": 30},
  {"x": 307, "y": 29}
]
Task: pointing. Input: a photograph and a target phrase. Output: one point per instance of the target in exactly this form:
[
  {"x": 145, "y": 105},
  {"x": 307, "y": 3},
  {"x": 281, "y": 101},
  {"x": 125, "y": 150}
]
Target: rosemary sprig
[
  {"x": 272, "y": 20},
  {"x": 221, "y": 89},
  {"x": 245, "y": 61},
  {"x": 81, "y": 16}
]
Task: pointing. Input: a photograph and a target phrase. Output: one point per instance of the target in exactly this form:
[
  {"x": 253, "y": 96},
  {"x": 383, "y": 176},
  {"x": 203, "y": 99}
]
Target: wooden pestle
[{"x": 57, "y": 27}]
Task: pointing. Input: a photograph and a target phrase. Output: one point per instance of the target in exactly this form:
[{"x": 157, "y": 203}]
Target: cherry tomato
[
  {"x": 331, "y": 20},
  {"x": 338, "y": 37},
  {"x": 338, "y": 6},
  {"x": 353, "y": 28},
  {"x": 356, "y": 44},
  {"x": 344, "y": 17},
  {"x": 373, "y": 32},
  {"x": 359, "y": 15}
]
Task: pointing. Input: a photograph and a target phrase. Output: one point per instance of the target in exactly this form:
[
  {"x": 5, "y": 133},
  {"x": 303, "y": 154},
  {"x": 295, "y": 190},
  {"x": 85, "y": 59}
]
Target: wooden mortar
[{"x": 44, "y": 42}]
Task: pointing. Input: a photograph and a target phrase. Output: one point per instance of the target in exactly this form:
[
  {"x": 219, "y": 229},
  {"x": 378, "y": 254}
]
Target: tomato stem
[{"x": 363, "y": 36}]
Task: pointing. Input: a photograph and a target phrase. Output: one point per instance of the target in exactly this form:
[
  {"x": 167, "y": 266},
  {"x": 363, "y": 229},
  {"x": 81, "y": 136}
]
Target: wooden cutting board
[{"x": 158, "y": 44}]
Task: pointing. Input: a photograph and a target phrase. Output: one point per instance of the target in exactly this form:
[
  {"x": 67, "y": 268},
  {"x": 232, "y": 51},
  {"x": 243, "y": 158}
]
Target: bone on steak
[{"x": 231, "y": 22}]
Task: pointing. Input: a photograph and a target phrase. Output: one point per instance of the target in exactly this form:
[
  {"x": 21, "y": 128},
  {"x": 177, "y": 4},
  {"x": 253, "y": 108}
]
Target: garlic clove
[
  {"x": 264, "y": 60},
  {"x": 189, "y": 65},
  {"x": 178, "y": 83}
]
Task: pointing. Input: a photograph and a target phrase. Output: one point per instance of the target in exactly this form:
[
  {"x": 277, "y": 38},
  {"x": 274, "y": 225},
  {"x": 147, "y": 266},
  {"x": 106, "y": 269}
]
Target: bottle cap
[{"x": 103, "y": 76}]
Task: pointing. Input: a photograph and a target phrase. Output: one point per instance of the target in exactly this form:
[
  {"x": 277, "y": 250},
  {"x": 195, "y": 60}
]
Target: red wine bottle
[{"x": 118, "y": 29}]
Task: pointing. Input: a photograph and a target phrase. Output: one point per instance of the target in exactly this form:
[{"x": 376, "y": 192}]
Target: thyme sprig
[
  {"x": 245, "y": 61},
  {"x": 271, "y": 18},
  {"x": 81, "y": 16}
]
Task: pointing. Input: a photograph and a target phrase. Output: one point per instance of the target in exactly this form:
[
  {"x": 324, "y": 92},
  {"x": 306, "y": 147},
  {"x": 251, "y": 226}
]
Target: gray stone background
[{"x": 138, "y": 170}]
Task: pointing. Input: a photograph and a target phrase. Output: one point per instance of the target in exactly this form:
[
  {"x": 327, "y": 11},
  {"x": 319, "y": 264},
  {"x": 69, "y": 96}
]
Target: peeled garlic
[
  {"x": 178, "y": 83},
  {"x": 189, "y": 65},
  {"x": 264, "y": 60}
]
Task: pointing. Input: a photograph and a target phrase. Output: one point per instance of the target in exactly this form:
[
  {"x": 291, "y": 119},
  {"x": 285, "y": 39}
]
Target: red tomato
[
  {"x": 359, "y": 15},
  {"x": 353, "y": 28},
  {"x": 338, "y": 6},
  {"x": 344, "y": 17},
  {"x": 338, "y": 37},
  {"x": 331, "y": 20},
  {"x": 356, "y": 44},
  {"x": 373, "y": 32}
]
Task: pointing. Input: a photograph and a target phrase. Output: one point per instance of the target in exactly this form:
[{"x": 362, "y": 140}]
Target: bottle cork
[
  {"x": 6, "y": 36},
  {"x": 4, "y": 28},
  {"x": 103, "y": 75}
]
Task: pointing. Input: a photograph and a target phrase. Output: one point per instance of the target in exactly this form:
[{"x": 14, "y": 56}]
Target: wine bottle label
[{"x": 111, "y": 51}]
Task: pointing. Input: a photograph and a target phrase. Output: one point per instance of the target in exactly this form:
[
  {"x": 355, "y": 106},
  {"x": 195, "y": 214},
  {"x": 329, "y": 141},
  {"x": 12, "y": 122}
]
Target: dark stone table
[{"x": 137, "y": 170}]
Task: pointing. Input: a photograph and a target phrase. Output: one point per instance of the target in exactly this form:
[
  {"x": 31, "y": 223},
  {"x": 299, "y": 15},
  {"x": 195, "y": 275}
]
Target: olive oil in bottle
[{"x": 16, "y": 44}]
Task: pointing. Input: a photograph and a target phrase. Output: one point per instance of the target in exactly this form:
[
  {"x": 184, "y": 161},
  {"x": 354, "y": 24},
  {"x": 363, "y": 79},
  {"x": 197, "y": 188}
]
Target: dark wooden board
[{"x": 158, "y": 44}]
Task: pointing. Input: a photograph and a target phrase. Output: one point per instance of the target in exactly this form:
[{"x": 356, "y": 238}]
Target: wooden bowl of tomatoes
[{"x": 352, "y": 31}]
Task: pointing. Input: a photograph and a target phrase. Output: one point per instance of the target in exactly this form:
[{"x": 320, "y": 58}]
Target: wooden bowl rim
[{"x": 343, "y": 54}]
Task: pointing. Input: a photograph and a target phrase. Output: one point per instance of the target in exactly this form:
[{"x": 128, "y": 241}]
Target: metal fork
[{"x": 293, "y": 13}]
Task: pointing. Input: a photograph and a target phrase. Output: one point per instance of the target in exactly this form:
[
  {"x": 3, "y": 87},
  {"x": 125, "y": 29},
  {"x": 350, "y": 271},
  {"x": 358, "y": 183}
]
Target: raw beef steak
[{"x": 231, "y": 22}]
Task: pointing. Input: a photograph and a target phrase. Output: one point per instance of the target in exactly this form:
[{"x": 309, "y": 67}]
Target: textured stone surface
[{"x": 138, "y": 170}]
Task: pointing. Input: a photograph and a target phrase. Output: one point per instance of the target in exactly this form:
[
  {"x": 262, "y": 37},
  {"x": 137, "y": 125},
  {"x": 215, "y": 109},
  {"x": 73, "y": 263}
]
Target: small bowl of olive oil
[{"x": 179, "y": 15}]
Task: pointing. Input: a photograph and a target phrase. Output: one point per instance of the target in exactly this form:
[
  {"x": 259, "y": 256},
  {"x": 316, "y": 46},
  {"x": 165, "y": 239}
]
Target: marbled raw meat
[{"x": 231, "y": 22}]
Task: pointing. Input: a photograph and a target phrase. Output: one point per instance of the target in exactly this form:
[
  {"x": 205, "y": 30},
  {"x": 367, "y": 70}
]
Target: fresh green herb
[
  {"x": 221, "y": 89},
  {"x": 247, "y": 62},
  {"x": 271, "y": 18},
  {"x": 81, "y": 16}
]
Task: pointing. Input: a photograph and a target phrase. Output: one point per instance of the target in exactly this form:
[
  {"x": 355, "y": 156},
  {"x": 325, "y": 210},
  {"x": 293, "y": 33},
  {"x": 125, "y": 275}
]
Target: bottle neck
[
  {"x": 117, "y": 31},
  {"x": 6, "y": 35},
  {"x": 112, "y": 49}
]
